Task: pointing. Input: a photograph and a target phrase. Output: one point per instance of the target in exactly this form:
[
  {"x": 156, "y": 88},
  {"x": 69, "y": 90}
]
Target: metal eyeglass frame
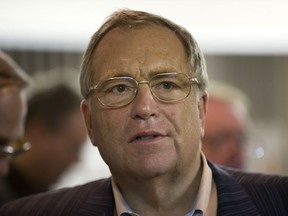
[{"x": 193, "y": 80}]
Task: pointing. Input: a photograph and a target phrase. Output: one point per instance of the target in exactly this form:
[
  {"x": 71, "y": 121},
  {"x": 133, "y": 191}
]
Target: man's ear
[
  {"x": 86, "y": 112},
  {"x": 202, "y": 108}
]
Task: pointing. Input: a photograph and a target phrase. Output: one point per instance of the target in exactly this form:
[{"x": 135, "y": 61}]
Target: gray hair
[
  {"x": 228, "y": 93},
  {"x": 129, "y": 18}
]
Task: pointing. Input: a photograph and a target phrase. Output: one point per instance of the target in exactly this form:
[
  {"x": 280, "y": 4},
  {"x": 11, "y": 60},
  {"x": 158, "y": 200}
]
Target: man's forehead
[
  {"x": 121, "y": 43},
  {"x": 145, "y": 31}
]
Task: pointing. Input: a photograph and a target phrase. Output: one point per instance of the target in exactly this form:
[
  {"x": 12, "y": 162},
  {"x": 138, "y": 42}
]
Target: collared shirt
[{"x": 205, "y": 202}]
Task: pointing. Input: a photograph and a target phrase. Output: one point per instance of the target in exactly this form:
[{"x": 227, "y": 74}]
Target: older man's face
[
  {"x": 145, "y": 138},
  {"x": 225, "y": 141},
  {"x": 12, "y": 112}
]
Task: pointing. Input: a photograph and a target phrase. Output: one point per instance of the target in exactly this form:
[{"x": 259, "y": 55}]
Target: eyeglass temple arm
[{"x": 195, "y": 80}]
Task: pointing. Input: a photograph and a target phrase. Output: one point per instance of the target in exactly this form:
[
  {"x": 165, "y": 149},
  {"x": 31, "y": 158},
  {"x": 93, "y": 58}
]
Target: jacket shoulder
[
  {"x": 66, "y": 201},
  {"x": 256, "y": 178},
  {"x": 268, "y": 192}
]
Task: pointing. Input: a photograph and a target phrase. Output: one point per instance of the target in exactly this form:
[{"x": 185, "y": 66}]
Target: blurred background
[{"x": 245, "y": 44}]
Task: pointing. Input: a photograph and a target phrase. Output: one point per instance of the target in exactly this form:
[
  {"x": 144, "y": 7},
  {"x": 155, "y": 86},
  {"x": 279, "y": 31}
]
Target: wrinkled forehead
[{"x": 142, "y": 47}]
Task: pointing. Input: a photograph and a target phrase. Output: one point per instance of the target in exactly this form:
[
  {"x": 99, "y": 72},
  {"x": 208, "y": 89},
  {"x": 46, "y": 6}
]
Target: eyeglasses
[
  {"x": 165, "y": 87},
  {"x": 16, "y": 148}
]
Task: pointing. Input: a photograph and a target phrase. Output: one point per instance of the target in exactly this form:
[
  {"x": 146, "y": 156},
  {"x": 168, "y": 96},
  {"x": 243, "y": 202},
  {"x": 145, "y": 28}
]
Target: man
[
  {"x": 55, "y": 128},
  {"x": 226, "y": 126},
  {"x": 144, "y": 79},
  {"x": 13, "y": 81}
]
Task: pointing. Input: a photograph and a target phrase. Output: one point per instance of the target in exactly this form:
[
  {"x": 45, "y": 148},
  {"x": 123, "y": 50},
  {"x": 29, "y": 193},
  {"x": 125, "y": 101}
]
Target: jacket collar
[
  {"x": 231, "y": 197},
  {"x": 100, "y": 202}
]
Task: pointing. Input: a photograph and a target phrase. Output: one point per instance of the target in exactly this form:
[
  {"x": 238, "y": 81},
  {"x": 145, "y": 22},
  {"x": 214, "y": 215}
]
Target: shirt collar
[
  {"x": 120, "y": 203},
  {"x": 205, "y": 202},
  {"x": 207, "y": 194}
]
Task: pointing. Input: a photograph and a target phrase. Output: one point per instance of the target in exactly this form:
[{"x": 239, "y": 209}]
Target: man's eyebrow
[
  {"x": 149, "y": 73},
  {"x": 117, "y": 74},
  {"x": 122, "y": 74}
]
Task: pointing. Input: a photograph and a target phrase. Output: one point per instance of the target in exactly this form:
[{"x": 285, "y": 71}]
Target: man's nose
[{"x": 144, "y": 104}]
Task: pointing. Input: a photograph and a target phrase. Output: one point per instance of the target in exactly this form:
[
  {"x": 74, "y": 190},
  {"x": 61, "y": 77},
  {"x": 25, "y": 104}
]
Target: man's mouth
[{"x": 146, "y": 137}]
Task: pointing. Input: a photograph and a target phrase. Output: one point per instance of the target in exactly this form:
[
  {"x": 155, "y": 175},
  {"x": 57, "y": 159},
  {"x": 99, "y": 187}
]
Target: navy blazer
[{"x": 238, "y": 193}]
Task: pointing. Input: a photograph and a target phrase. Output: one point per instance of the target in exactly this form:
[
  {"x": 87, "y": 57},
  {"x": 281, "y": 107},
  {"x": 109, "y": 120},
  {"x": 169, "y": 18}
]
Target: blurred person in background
[
  {"x": 13, "y": 82},
  {"x": 56, "y": 131},
  {"x": 226, "y": 126}
]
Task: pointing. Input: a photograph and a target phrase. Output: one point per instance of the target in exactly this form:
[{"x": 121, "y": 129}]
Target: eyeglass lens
[{"x": 120, "y": 91}]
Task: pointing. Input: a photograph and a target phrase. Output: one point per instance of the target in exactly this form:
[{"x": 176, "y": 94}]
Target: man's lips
[{"x": 145, "y": 136}]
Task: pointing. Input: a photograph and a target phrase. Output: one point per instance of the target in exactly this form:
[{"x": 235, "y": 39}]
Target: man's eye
[
  {"x": 168, "y": 85},
  {"x": 119, "y": 89}
]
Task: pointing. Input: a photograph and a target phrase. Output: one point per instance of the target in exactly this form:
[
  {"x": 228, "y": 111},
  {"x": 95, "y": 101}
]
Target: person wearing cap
[{"x": 227, "y": 125}]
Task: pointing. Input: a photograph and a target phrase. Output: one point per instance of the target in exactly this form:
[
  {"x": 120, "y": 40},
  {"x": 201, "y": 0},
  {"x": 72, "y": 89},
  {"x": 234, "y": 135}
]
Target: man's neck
[{"x": 162, "y": 195}]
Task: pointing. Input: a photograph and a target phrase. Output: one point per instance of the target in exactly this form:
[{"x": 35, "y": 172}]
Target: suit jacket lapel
[
  {"x": 100, "y": 202},
  {"x": 232, "y": 198}
]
